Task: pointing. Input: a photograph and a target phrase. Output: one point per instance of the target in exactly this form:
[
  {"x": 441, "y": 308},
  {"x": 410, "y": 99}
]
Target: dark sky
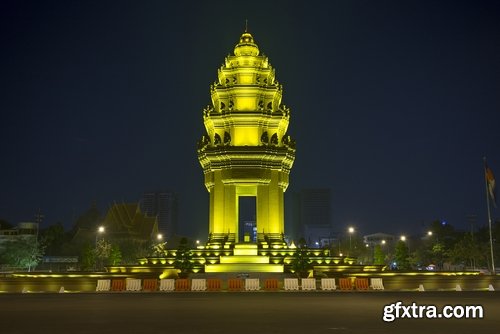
[{"x": 394, "y": 103}]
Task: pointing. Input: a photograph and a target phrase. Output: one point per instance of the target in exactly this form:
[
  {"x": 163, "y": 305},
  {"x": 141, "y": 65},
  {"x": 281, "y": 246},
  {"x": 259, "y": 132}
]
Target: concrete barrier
[
  {"x": 271, "y": 284},
  {"x": 118, "y": 284},
  {"x": 214, "y": 284},
  {"x": 235, "y": 284},
  {"x": 167, "y": 284},
  {"x": 308, "y": 284},
  {"x": 345, "y": 284},
  {"x": 133, "y": 284},
  {"x": 377, "y": 284},
  {"x": 182, "y": 284},
  {"x": 361, "y": 284},
  {"x": 198, "y": 284},
  {"x": 291, "y": 284},
  {"x": 149, "y": 284},
  {"x": 103, "y": 285},
  {"x": 328, "y": 284}
]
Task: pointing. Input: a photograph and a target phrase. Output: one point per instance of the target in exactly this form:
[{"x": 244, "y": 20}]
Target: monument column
[{"x": 246, "y": 151}]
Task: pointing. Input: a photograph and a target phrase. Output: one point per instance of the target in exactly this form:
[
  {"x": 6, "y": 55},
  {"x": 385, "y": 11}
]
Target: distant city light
[
  {"x": 383, "y": 242},
  {"x": 159, "y": 236},
  {"x": 403, "y": 238},
  {"x": 101, "y": 229},
  {"x": 429, "y": 233},
  {"x": 350, "y": 229}
]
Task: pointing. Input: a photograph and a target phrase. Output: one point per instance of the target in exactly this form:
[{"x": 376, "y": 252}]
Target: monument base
[{"x": 245, "y": 258}]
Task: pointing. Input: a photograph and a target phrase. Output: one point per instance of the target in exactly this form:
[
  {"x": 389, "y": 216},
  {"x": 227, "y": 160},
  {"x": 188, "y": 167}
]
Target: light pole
[
  {"x": 403, "y": 239},
  {"x": 351, "y": 231},
  {"x": 100, "y": 230}
]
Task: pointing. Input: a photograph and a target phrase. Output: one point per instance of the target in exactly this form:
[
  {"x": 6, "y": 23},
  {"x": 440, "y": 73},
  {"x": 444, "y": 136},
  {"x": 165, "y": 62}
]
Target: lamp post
[
  {"x": 100, "y": 230},
  {"x": 351, "y": 231},
  {"x": 403, "y": 239}
]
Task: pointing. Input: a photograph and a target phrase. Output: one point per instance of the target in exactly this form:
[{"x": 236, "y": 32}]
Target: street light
[
  {"x": 351, "y": 231},
  {"x": 383, "y": 242},
  {"x": 159, "y": 237},
  {"x": 429, "y": 233},
  {"x": 100, "y": 230},
  {"x": 403, "y": 239}
]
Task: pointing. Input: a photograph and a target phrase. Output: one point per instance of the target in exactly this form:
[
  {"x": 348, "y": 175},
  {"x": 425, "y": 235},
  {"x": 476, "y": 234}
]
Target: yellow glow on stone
[{"x": 245, "y": 151}]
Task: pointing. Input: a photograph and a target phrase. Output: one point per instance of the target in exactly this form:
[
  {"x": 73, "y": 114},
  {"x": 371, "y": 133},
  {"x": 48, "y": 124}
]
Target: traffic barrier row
[
  {"x": 234, "y": 284},
  {"x": 248, "y": 284}
]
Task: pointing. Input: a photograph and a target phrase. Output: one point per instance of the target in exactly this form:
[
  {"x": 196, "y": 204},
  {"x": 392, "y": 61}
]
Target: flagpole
[{"x": 489, "y": 218}]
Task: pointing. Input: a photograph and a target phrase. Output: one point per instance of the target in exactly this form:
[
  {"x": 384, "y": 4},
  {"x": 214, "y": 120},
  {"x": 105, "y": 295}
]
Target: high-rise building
[
  {"x": 163, "y": 205},
  {"x": 315, "y": 216}
]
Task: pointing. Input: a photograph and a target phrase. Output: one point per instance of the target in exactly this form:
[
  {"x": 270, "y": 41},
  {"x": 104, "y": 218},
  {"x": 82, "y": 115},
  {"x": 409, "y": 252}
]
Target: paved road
[{"x": 257, "y": 312}]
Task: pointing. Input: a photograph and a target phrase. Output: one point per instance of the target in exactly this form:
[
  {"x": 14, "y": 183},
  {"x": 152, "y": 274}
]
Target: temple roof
[{"x": 127, "y": 219}]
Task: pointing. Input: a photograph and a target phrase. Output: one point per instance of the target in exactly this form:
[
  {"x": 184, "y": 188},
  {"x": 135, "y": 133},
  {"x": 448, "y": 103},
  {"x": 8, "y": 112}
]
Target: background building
[
  {"x": 315, "y": 217},
  {"x": 163, "y": 205},
  {"x": 22, "y": 230},
  {"x": 126, "y": 221}
]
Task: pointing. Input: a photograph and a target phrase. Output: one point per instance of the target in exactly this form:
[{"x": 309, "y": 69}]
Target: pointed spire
[{"x": 246, "y": 25}]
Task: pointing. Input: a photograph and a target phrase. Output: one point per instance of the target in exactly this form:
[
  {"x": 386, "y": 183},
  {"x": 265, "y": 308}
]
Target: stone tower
[{"x": 246, "y": 150}]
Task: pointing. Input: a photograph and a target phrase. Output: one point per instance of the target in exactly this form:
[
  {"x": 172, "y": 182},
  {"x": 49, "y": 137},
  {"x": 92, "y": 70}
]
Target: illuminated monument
[{"x": 246, "y": 151}]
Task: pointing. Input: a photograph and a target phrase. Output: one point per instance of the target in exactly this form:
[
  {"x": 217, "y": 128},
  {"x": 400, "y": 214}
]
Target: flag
[{"x": 490, "y": 183}]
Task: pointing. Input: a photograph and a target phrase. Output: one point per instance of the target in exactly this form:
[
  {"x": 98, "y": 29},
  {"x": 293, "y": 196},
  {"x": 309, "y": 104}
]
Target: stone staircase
[{"x": 245, "y": 258}]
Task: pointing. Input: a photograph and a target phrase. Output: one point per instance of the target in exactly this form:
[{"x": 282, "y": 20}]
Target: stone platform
[{"x": 245, "y": 258}]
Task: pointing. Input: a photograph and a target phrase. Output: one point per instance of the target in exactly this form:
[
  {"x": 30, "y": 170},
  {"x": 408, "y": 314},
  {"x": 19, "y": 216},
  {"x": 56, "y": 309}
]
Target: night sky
[{"x": 394, "y": 104}]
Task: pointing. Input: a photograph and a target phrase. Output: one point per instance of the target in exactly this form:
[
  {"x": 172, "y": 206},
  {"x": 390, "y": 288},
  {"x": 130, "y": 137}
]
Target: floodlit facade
[{"x": 246, "y": 150}]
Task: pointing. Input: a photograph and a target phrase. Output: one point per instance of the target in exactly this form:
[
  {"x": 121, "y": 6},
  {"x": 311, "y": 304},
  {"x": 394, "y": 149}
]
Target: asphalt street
[{"x": 243, "y": 312}]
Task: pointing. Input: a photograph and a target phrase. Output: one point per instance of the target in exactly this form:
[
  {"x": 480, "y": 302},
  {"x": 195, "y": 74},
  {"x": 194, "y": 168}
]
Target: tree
[
  {"x": 102, "y": 252},
  {"x": 378, "y": 255},
  {"x": 438, "y": 254},
  {"x": 402, "y": 256},
  {"x": 183, "y": 259},
  {"x": 115, "y": 255},
  {"x": 23, "y": 252},
  {"x": 133, "y": 249},
  {"x": 5, "y": 225},
  {"x": 54, "y": 237},
  {"x": 87, "y": 258},
  {"x": 301, "y": 263}
]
